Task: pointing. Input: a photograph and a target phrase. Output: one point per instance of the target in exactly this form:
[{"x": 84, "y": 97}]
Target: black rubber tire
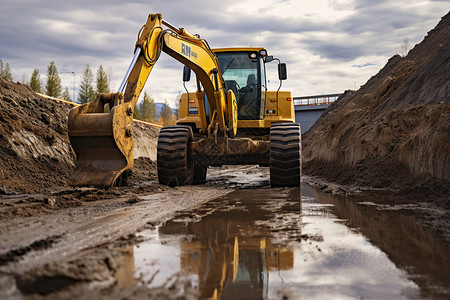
[
  {"x": 199, "y": 174},
  {"x": 285, "y": 154},
  {"x": 174, "y": 160}
]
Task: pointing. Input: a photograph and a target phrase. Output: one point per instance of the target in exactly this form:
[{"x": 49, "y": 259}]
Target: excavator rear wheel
[
  {"x": 285, "y": 154},
  {"x": 174, "y": 160}
]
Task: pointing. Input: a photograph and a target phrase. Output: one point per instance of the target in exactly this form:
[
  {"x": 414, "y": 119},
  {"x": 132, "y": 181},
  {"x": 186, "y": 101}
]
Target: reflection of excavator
[
  {"x": 235, "y": 248},
  {"x": 238, "y": 267},
  {"x": 232, "y": 260},
  {"x": 231, "y": 119}
]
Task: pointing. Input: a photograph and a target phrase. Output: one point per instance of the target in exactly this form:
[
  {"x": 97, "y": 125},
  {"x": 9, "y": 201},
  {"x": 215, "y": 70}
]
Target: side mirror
[
  {"x": 282, "y": 71},
  {"x": 186, "y": 74},
  {"x": 268, "y": 59}
]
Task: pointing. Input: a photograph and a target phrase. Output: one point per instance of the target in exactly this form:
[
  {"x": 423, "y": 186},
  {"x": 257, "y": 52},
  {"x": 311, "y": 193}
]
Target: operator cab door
[
  {"x": 242, "y": 73},
  {"x": 263, "y": 86}
]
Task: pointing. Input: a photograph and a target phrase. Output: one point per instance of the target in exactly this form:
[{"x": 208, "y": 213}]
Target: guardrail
[{"x": 316, "y": 99}]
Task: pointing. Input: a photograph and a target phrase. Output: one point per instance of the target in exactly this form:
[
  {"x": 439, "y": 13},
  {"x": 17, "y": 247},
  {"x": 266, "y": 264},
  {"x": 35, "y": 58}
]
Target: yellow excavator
[{"x": 230, "y": 119}]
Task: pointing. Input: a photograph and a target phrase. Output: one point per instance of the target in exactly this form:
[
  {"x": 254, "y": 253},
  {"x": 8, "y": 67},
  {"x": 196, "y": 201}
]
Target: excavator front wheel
[
  {"x": 285, "y": 154},
  {"x": 174, "y": 157}
]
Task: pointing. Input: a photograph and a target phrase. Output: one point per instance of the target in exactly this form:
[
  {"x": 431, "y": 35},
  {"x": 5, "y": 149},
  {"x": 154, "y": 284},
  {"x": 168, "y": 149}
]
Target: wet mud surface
[
  {"x": 266, "y": 243},
  {"x": 231, "y": 238}
]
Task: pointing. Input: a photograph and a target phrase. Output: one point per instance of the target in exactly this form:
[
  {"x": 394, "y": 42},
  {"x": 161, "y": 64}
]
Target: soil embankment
[
  {"x": 395, "y": 130},
  {"x": 36, "y": 156}
]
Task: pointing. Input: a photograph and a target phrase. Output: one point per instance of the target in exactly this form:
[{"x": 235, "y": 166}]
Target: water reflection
[
  {"x": 230, "y": 251},
  {"x": 266, "y": 243},
  {"x": 396, "y": 231}
]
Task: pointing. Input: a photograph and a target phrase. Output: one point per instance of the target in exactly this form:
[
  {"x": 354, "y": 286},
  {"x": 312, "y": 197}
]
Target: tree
[
  {"x": 53, "y": 86},
  {"x": 177, "y": 106},
  {"x": 35, "y": 81},
  {"x": 66, "y": 94},
  {"x": 147, "y": 108},
  {"x": 102, "y": 81},
  {"x": 5, "y": 71},
  {"x": 404, "y": 47},
  {"x": 137, "y": 113},
  {"x": 86, "y": 93},
  {"x": 173, "y": 121},
  {"x": 166, "y": 113}
]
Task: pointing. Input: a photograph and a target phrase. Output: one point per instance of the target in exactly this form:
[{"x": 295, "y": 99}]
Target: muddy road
[{"x": 231, "y": 238}]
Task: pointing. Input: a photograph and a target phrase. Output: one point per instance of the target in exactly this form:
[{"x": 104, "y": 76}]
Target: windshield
[
  {"x": 238, "y": 67},
  {"x": 240, "y": 73}
]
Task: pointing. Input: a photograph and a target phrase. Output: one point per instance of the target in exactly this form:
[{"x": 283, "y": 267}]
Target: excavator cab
[{"x": 244, "y": 74}]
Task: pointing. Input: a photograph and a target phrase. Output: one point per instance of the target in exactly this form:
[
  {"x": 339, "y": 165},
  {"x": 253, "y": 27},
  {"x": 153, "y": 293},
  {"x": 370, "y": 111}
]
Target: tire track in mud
[
  {"x": 33, "y": 242},
  {"x": 15, "y": 254}
]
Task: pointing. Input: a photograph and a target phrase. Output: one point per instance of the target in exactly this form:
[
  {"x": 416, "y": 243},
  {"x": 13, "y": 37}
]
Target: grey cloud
[
  {"x": 334, "y": 50},
  {"x": 29, "y": 33},
  {"x": 281, "y": 25},
  {"x": 375, "y": 28},
  {"x": 104, "y": 32},
  {"x": 378, "y": 20},
  {"x": 362, "y": 4}
]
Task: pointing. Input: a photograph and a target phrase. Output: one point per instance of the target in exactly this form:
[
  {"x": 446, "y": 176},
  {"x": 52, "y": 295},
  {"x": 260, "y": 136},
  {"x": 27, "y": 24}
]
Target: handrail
[{"x": 316, "y": 99}]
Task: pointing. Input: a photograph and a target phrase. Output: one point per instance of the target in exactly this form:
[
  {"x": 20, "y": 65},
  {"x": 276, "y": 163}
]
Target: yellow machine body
[
  {"x": 220, "y": 123},
  {"x": 283, "y": 112}
]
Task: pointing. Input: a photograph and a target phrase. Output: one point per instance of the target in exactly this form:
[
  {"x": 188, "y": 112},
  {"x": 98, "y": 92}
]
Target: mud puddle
[{"x": 266, "y": 243}]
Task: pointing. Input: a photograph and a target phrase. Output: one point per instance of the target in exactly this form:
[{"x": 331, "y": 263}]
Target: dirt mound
[
  {"x": 36, "y": 156},
  {"x": 394, "y": 131}
]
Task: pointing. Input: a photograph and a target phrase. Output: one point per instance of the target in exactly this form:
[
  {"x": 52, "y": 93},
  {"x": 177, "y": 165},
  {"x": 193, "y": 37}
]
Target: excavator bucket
[{"x": 102, "y": 141}]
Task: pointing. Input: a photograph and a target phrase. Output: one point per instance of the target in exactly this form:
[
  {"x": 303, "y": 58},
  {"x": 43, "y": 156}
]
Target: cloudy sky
[{"x": 328, "y": 45}]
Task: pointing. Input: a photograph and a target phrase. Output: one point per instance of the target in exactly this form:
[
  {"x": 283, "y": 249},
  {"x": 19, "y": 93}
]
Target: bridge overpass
[{"x": 309, "y": 108}]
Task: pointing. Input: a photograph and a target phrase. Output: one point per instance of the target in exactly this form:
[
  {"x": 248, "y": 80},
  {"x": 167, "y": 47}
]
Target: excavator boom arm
[{"x": 188, "y": 49}]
